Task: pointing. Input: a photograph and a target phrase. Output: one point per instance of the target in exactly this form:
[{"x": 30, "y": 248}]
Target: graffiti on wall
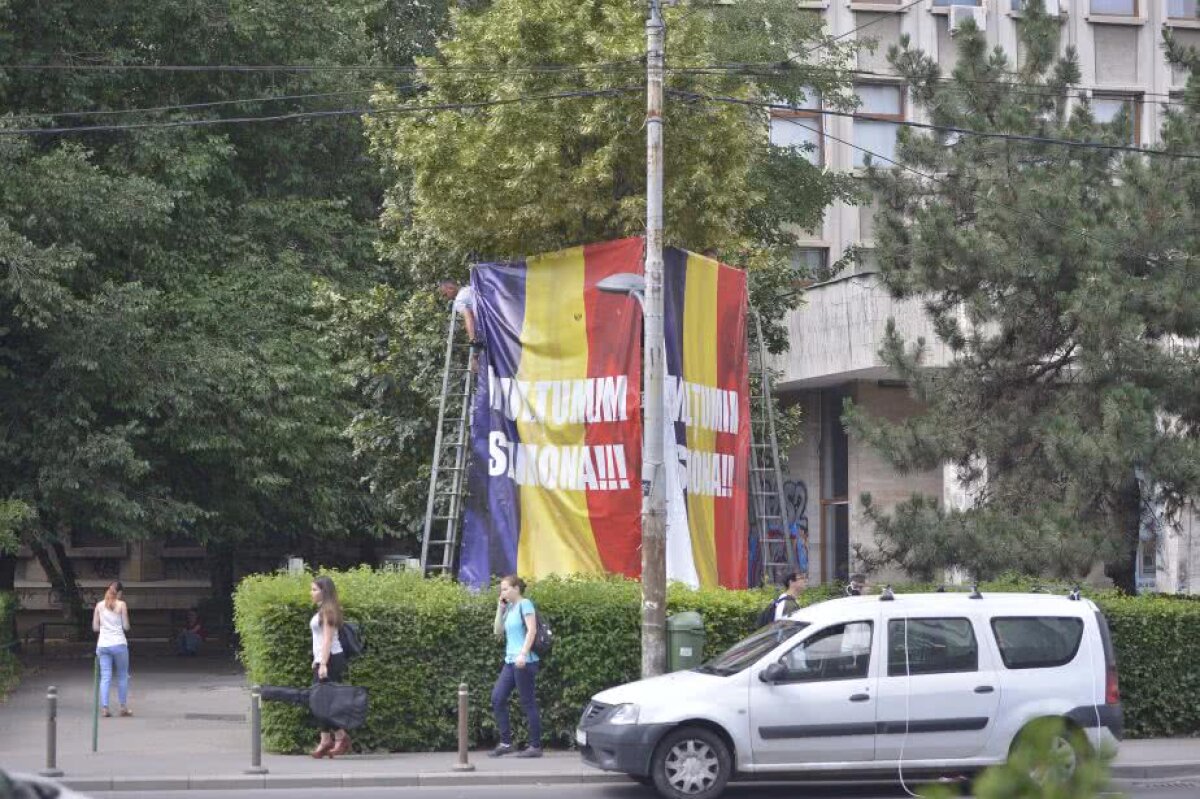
[{"x": 795, "y": 516}]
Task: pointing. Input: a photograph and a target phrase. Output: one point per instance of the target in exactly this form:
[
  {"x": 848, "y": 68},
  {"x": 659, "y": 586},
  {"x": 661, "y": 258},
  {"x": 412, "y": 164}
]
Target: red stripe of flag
[
  {"x": 614, "y": 331},
  {"x": 730, "y": 512}
]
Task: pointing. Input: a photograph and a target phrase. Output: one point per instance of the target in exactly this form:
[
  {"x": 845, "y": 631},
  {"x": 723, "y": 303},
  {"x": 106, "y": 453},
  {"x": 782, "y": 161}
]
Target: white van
[{"x": 861, "y": 687}]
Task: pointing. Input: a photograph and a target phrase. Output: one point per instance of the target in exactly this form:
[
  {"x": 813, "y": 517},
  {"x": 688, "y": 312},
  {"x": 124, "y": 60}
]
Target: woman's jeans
[
  {"x": 522, "y": 680},
  {"x": 110, "y": 657}
]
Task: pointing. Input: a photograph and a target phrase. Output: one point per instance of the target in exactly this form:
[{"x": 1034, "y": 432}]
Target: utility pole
[{"x": 654, "y": 521}]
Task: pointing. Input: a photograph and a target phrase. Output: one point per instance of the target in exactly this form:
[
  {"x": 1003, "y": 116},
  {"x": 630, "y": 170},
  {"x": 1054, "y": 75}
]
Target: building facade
[{"x": 838, "y": 331}]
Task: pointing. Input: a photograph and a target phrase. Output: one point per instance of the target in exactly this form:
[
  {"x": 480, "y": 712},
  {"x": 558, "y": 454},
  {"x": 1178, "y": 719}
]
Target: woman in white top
[
  {"x": 328, "y": 661},
  {"x": 111, "y": 619}
]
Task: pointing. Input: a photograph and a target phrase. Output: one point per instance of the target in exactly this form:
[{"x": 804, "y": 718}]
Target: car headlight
[{"x": 624, "y": 714}]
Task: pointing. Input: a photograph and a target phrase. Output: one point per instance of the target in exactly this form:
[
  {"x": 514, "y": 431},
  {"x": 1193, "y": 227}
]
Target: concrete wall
[{"x": 870, "y": 473}]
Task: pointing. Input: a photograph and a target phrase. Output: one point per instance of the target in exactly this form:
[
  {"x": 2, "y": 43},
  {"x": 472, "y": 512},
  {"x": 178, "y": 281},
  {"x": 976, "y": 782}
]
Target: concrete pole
[
  {"x": 51, "y": 769},
  {"x": 654, "y": 528},
  {"x": 463, "y": 763}
]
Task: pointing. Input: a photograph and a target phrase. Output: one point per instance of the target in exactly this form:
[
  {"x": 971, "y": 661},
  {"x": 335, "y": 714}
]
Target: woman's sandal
[
  {"x": 126, "y": 711},
  {"x": 104, "y": 712}
]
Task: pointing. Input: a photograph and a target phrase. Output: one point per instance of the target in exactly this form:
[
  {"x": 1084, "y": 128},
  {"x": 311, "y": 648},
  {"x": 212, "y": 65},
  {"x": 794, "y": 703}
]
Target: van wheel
[
  {"x": 1052, "y": 750},
  {"x": 691, "y": 763}
]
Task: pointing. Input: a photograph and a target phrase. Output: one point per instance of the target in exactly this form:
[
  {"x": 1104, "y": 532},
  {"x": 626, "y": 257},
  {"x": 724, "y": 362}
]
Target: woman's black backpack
[
  {"x": 543, "y": 638},
  {"x": 351, "y": 639}
]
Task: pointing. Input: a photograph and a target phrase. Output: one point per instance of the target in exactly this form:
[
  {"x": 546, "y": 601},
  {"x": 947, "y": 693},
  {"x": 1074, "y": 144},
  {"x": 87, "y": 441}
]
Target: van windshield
[{"x": 747, "y": 651}]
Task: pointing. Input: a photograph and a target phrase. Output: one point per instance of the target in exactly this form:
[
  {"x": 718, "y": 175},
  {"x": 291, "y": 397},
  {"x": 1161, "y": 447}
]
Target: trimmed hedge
[
  {"x": 424, "y": 637},
  {"x": 10, "y": 667}
]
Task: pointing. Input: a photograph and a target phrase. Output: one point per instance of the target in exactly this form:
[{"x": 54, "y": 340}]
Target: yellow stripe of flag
[
  {"x": 700, "y": 368},
  {"x": 556, "y": 529}
]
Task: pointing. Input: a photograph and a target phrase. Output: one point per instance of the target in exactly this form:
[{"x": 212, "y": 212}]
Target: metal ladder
[
  {"x": 451, "y": 447},
  {"x": 768, "y": 522}
]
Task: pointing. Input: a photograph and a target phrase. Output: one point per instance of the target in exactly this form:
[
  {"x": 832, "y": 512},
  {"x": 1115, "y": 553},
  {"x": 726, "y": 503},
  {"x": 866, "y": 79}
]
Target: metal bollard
[
  {"x": 462, "y": 764},
  {"x": 256, "y": 766},
  {"x": 51, "y": 769}
]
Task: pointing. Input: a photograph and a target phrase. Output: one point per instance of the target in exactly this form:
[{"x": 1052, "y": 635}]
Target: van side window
[
  {"x": 840, "y": 652},
  {"x": 934, "y": 646},
  {"x": 1037, "y": 642}
]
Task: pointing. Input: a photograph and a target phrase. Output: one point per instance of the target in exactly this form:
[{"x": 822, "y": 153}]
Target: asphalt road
[{"x": 1159, "y": 789}]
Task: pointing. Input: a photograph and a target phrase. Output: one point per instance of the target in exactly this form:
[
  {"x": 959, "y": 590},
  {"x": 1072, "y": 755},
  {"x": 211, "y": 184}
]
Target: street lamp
[{"x": 628, "y": 283}]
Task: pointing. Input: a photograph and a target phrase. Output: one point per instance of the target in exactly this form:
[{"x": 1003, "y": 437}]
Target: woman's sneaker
[
  {"x": 530, "y": 751},
  {"x": 501, "y": 750}
]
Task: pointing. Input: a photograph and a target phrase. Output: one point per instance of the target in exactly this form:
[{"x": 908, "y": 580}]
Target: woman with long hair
[
  {"x": 111, "y": 619},
  {"x": 329, "y": 663},
  {"x": 516, "y": 621}
]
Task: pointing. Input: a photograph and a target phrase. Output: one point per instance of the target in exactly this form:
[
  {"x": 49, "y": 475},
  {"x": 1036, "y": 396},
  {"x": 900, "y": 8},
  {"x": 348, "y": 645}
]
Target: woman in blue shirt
[{"x": 516, "y": 620}]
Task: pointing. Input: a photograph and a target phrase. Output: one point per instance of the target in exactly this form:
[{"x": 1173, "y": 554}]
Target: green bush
[
  {"x": 1157, "y": 640},
  {"x": 424, "y": 637},
  {"x": 10, "y": 668}
]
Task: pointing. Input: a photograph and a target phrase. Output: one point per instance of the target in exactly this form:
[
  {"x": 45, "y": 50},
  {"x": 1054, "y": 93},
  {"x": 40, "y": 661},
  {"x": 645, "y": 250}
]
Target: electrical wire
[
  {"x": 1020, "y": 137},
  {"x": 316, "y": 68},
  {"x": 979, "y": 197},
  {"x": 878, "y": 18},
  {"x": 342, "y": 112},
  {"x": 209, "y": 104},
  {"x": 945, "y": 82}
]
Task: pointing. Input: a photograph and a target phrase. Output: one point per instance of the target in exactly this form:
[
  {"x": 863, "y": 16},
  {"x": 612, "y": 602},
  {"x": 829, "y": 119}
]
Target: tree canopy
[
  {"x": 1064, "y": 280},
  {"x": 163, "y": 365}
]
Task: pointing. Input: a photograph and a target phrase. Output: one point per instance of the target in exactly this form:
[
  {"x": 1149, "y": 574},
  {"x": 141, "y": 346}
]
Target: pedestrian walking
[
  {"x": 329, "y": 662},
  {"x": 110, "y": 620},
  {"x": 789, "y": 601},
  {"x": 516, "y": 621}
]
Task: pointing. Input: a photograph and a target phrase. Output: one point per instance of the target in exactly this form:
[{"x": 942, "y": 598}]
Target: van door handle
[
  {"x": 860, "y": 697},
  {"x": 984, "y": 689}
]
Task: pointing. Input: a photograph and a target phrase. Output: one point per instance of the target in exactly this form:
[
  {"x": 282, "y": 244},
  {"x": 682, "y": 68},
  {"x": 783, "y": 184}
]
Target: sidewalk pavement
[{"x": 190, "y": 729}]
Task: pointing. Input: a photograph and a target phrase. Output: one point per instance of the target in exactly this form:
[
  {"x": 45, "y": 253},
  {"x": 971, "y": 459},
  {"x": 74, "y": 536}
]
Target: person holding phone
[{"x": 516, "y": 622}]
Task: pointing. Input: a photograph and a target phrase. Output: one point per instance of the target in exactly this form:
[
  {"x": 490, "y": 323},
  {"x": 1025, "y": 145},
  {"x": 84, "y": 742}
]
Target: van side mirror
[{"x": 773, "y": 673}]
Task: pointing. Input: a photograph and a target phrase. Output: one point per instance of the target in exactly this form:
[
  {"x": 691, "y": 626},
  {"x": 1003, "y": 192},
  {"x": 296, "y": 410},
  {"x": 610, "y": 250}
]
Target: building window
[
  {"x": 1148, "y": 558},
  {"x": 1125, "y": 109},
  {"x": 1115, "y": 8},
  {"x": 875, "y": 125},
  {"x": 810, "y": 263},
  {"x": 802, "y": 129},
  {"x": 1183, "y": 9}
]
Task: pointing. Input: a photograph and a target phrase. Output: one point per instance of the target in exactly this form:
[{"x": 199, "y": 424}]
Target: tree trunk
[
  {"x": 61, "y": 573},
  {"x": 1123, "y": 571},
  {"x": 221, "y": 568},
  {"x": 8, "y": 571}
]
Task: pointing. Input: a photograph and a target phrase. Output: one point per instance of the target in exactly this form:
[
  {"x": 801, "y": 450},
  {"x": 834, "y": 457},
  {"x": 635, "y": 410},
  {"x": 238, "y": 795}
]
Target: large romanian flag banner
[
  {"x": 554, "y": 484},
  {"x": 706, "y": 420}
]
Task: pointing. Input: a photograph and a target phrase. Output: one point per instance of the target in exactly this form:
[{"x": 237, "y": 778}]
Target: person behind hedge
[
  {"x": 111, "y": 620},
  {"x": 789, "y": 601},
  {"x": 516, "y": 621},
  {"x": 192, "y": 634},
  {"x": 329, "y": 663}
]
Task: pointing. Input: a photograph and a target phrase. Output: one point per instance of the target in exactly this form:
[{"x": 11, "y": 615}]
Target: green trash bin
[{"x": 685, "y": 641}]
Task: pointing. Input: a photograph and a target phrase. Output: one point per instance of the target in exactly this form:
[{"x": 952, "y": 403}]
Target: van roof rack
[{"x": 975, "y": 591}]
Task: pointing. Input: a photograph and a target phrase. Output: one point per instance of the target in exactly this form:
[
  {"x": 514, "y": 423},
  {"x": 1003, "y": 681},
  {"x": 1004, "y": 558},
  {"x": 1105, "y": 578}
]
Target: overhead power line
[
  {"x": 1021, "y": 137},
  {"x": 736, "y": 70},
  {"x": 342, "y": 112},
  {"x": 210, "y": 104},
  {"x": 316, "y": 68},
  {"x": 980, "y": 197}
]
